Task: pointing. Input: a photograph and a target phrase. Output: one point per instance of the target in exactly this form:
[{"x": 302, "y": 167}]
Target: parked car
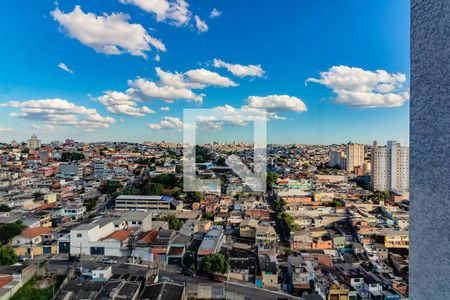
[{"x": 107, "y": 261}]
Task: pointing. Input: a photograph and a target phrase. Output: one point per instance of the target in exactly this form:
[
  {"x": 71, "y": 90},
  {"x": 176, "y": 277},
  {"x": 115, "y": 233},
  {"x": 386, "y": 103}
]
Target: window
[{"x": 79, "y": 235}]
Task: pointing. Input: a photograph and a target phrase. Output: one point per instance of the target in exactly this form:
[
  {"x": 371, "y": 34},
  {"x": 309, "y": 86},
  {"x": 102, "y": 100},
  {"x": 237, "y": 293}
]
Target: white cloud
[
  {"x": 174, "y": 12},
  {"x": 277, "y": 103},
  {"x": 149, "y": 89},
  {"x": 167, "y": 123},
  {"x": 240, "y": 70},
  {"x": 109, "y": 34},
  {"x": 59, "y": 112},
  {"x": 356, "y": 87},
  {"x": 157, "y": 57},
  {"x": 5, "y": 129},
  {"x": 206, "y": 77},
  {"x": 177, "y": 80},
  {"x": 46, "y": 127},
  {"x": 123, "y": 104},
  {"x": 164, "y": 108},
  {"x": 193, "y": 79},
  {"x": 200, "y": 24},
  {"x": 63, "y": 67},
  {"x": 215, "y": 13}
]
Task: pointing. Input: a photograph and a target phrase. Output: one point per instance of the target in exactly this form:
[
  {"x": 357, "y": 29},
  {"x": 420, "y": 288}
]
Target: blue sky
[{"x": 286, "y": 41}]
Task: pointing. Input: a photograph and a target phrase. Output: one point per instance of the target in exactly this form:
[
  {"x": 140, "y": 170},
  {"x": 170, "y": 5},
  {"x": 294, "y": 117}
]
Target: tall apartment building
[
  {"x": 355, "y": 156},
  {"x": 338, "y": 158},
  {"x": 390, "y": 167},
  {"x": 34, "y": 142}
]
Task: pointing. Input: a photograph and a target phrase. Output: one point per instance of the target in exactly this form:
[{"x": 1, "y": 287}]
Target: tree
[
  {"x": 25, "y": 150},
  {"x": 10, "y": 230},
  {"x": 379, "y": 196},
  {"x": 71, "y": 156},
  {"x": 279, "y": 204},
  {"x": 221, "y": 161},
  {"x": 174, "y": 222},
  {"x": 4, "y": 208},
  {"x": 208, "y": 215},
  {"x": 188, "y": 260},
  {"x": 272, "y": 177},
  {"x": 176, "y": 193},
  {"x": 7, "y": 255},
  {"x": 153, "y": 189},
  {"x": 192, "y": 197},
  {"x": 215, "y": 263},
  {"x": 110, "y": 187}
]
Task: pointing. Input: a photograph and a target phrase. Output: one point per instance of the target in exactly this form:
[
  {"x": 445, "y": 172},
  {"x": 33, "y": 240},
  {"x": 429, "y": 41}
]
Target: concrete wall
[{"x": 430, "y": 149}]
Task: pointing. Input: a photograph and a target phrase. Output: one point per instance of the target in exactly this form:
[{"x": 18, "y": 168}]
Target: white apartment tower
[
  {"x": 355, "y": 156},
  {"x": 337, "y": 158},
  {"x": 33, "y": 142},
  {"x": 390, "y": 167}
]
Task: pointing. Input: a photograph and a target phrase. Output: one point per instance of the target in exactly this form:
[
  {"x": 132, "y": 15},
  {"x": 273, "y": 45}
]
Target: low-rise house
[
  {"x": 75, "y": 211},
  {"x": 267, "y": 273},
  {"x": 211, "y": 242},
  {"x": 161, "y": 244},
  {"x": 247, "y": 228},
  {"x": 265, "y": 234}
]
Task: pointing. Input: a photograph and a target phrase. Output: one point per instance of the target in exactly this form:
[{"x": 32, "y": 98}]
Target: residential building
[
  {"x": 338, "y": 159},
  {"x": 34, "y": 143},
  {"x": 390, "y": 167},
  {"x": 354, "y": 156}
]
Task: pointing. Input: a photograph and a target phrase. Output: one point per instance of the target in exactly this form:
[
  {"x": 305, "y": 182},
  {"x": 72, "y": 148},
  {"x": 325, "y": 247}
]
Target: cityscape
[
  {"x": 111, "y": 221},
  {"x": 222, "y": 149}
]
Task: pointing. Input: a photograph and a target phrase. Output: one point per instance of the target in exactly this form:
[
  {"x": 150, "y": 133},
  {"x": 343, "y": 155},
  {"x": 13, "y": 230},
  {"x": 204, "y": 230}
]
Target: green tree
[
  {"x": 110, "y": 187},
  {"x": 208, "y": 215},
  {"x": 4, "y": 208},
  {"x": 72, "y": 156},
  {"x": 215, "y": 263},
  {"x": 25, "y": 150},
  {"x": 192, "y": 197},
  {"x": 153, "y": 189},
  {"x": 174, "y": 222},
  {"x": 379, "y": 196},
  {"x": 91, "y": 204},
  {"x": 176, "y": 193},
  {"x": 188, "y": 260},
  {"x": 10, "y": 230},
  {"x": 221, "y": 161},
  {"x": 280, "y": 204},
  {"x": 272, "y": 178},
  {"x": 7, "y": 255}
]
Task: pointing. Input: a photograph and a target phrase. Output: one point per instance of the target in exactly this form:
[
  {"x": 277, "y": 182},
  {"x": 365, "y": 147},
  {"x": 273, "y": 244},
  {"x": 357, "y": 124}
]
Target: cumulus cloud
[
  {"x": 164, "y": 108},
  {"x": 157, "y": 57},
  {"x": 109, "y": 34},
  {"x": 215, "y": 13},
  {"x": 200, "y": 24},
  {"x": 240, "y": 70},
  {"x": 277, "y": 103},
  {"x": 123, "y": 104},
  {"x": 59, "y": 112},
  {"x": 167, "y": 123},
  {"x": 63, "y": 67},
  {"x": 173, "y": 12},
  {"x": 360, "y": 88},
  {"x": 148, "y": 89},
  {"x": 206, "y": 77}
]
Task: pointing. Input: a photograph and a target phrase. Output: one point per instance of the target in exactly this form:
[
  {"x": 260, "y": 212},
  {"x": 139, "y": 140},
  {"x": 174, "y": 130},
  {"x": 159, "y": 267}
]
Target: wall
[{"x": 430, "y": 144}]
